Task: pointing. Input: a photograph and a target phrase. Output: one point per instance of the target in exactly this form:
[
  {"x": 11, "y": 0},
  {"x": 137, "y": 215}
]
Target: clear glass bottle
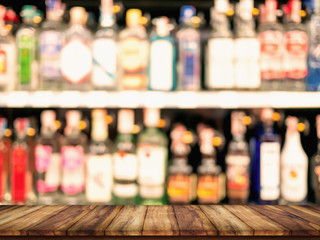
[
  {"x": 125, "y": 161},
  {"x": 133, "y": 53},
  {"x": 188, "y": 37},
  {"x": 152, "y": 151},
  {"x": 76, "y": 55},
  {"x": 315, "y": 166},
  {"x": 271, "y": 48},
  {"x": 99, "y": 168},
  {"x": 220, "y": 49},
  {"x": 51, "y": 40},
  {"x": 294, "y": 166},
  {"x": 26, "y": 38},
  {"x": 104, "y": 49},
  {"x": 247, "y": 48},
  {"x": 48, "y": 160},
  {"x": 296, "y": 49},
  {"x": 7, "y": 56},
  {"x": 313, "y": 77},
  {"x": 238, "y": 162},
  {"x": 73, "y": 156},
  {"x": 162, "y": 58}
]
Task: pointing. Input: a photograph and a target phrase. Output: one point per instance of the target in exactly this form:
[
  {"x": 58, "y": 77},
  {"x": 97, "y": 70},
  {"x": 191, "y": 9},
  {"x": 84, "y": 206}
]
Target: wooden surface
[{"x": 166, "y": 222}]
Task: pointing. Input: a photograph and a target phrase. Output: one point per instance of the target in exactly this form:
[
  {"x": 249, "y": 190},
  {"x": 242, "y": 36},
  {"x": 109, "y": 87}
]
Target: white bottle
[{"x": 294, "y": 165}]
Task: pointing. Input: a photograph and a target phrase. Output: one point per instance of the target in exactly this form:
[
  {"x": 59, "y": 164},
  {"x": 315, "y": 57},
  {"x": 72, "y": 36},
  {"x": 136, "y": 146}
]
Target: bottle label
[
  {"x": 125, "y": 190},
  {"x": 76, "y": 61},
  {"x": 152, "y": 161},
  {"x": 47, "y": 165},
  {"x": 271, "y": 49},
  {"x": 3, "y": 60},
  {"x": 220, "y": 63},
  {"x": 125, "y": 166},
  {"x": 133, "y": 61},
  {"x": 208, "y": 189},
  {"x": 99, "y": 178},
  {"x": 294, "y": 182},
  {"x": 179, "y": 187},
  {"x": 190, "y": 59},
  {"x": 19, "y": 161},
  {"x": 314, "y": 51},
  {"x": 26, "y": 54},
  {"x": 104, "y": 65},
  {"x": 50, "y": 47},
  {"x": 295, "y": 55},
  {"x": 161, "y": 65},
  {"x": 7, "y": 64},
  {"x": 148, "y": 192},
  {"x": 73, "y": 169},
  {"x": 237, "y": 172},
  {"x": 247, "y": 67},
  {"x": 270, "y": 171}
]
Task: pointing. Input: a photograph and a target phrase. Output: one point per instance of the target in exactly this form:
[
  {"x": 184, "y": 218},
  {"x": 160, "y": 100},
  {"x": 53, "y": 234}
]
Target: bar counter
[{"x": 163, "y": 222}]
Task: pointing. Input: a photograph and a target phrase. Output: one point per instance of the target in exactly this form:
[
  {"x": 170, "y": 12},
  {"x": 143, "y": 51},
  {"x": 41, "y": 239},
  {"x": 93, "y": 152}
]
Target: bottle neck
[{"x": 293, "y": 138}]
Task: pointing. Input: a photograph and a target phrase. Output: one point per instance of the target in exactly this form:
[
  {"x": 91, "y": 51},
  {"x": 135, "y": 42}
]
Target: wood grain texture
[
  {"x": 95, "y": 222},
  {"x": 314, "y": 208},
  {"x": 129, "y": 221},
  {"x": 262, "y": 225},
  {"x": 5, "y": 208},
  {"x": 297, "y": 225},
  {"x": 20, "y": 225},
  {"x": 160, "y": 221},
  {"x": 58, "y": 224},
  {"x": 225, "y": 222},
  {"x": 16, "y": 213},
  {"x": 192, "y": 221}
]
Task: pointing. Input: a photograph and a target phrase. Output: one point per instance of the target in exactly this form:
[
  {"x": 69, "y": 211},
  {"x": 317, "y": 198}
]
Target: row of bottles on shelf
[
  {"x": 53, "y": 56},
  {"x": 133, "y": 168}
]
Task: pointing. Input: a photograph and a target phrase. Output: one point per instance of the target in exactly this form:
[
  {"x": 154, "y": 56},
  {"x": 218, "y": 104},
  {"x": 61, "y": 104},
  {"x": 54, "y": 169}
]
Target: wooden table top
[{"x": 216, "y": 221}]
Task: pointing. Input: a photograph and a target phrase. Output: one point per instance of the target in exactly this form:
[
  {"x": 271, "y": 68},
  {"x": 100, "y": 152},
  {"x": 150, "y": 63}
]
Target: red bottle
[{"x": 4, "y": 157}]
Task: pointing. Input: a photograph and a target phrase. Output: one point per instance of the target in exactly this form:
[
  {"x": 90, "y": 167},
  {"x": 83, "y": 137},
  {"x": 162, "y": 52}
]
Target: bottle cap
[
  {"x": 55, "y": 9},
  {"x": 21, "y": 126},
  {"x": 3, "y": 125},
  {"x": 73, "y": 118},
  {"x": 162, "y": 26},
  {"x": 318, "y": 125},
  {"x": 221, "y": 6},
  {"x": 187, "y": 12},
  {"x": 2, "y": 12},
  {"x": 78, "y": 15},
  {"x": 48, "y": 118},
  {"x": 106, "y": 17},
  {"x": 99, "y": 125},
  {"x": 292, "y": 124},
  {"x": 270, "y": 10},
  {"x": 294, "y": 9},
  {"x": 266, "y": 114},
  {"x": 237, "y": 125},
  {"x": 28, "y": 12},
  {"x": 133, "y": 17},
  {"x": 245, "y": 9},
  {"x": 125, "y": 120},
  {"x": 151, "y": 117}
]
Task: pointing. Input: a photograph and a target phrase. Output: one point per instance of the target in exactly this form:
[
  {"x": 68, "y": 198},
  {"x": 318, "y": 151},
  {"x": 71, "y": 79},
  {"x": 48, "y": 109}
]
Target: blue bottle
[
  {"x": 313, "y": 78},
  {"x": 162, "y": 58}
]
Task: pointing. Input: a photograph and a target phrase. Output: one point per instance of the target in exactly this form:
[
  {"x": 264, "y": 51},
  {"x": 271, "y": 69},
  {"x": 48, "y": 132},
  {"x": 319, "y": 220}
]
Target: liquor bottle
[
  {"x": 26, "y": 38},
  {"x": 125, "y": 161},
  {"x": 313, "y": 77},
  {"x": 266, "y": 164},
  {"x": 188, "y": 37},
  {"x": 73, "y": 156},
  {"x": 296, "y": 48},
  {"x": 220, "y": 51},
  {"x": 179, "y": 148},
  {"x": 294, "y": 166},
  {"x": 152, "y": 155},
  {"x": 104, "y": 49},
  {"x": 315, "y": 166},
  {"x": 76, "y": 56},
  {"x": 4, "y": 163},
  {"x": 51, "y": 40},
  {"x": 247, "y": 48},
  {"x": 99, "y": 163},
  {"x": 179, "y": 181},
  {"x": 7, "y": 55},
  {"x": 271, "y": 48},
  {"x": 238, "y": 162},
  {"x": 48, "y": 160},
  {"x": 133, "y": 53},
  {"x": 162, "y": 58},
  {"x": 21, "y": 177}
]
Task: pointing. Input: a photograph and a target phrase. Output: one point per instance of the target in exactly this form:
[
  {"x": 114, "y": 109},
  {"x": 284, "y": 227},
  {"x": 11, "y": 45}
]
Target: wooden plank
[
  {"x": 160, "y": 221},
  {"x": 58, "y": 224},
  {"x": 16, "y": 212},
  {"x": 225, "y": 222},
  {"x": 18, "y": 226},
  {"x": 302, "y": 212},
  {"x": 95, "y": 222},
  {"x": 297, "y": 226},
  {"x": 6, "y": 208},
  {"x": 262, "y": 225},
  {"x": 192, "y": 221},
  {"x": 314, "y": 208},
  {"x": 128, "y": 222}
]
